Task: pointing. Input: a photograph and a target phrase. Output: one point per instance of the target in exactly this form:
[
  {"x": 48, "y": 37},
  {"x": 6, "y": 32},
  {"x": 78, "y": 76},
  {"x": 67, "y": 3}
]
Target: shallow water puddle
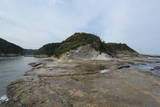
[
  {"x": 103, "y": 71},
  {"x": 148, "y": 67},
  {"x": 152, "y": 58}
]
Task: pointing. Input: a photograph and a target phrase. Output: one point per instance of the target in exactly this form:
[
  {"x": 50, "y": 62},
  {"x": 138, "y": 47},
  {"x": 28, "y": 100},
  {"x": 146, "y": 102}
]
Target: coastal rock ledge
[{"x": 76, "y": 83}]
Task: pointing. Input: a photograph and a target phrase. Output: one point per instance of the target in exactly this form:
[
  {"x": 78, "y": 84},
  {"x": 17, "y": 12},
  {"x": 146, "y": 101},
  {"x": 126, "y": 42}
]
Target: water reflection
[{"x": 12, "y": 68}]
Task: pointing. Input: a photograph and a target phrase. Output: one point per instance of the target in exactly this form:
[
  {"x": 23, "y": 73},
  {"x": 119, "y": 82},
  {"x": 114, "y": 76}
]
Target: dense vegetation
[
  {"x": 9, "y": 48},
  {"x": 76, "y": 40},
  {"x": 80, "y": 39},
  {"x": 114, "y": 48},
  {"x": 48, "y": 49}
]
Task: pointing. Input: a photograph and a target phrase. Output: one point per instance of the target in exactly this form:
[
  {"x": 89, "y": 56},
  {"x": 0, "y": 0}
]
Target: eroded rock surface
[
  {"x": 85, "y": 52},
  {"x": 81, "y": 84}
]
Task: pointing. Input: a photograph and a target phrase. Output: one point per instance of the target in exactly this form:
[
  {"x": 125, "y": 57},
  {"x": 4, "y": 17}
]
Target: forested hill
[
  {"x": 7, "y": 48},
  {"x": 81, "y": 39}
]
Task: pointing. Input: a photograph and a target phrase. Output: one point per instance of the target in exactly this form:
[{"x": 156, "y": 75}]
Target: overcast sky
[{"x": 33, "y": 23}]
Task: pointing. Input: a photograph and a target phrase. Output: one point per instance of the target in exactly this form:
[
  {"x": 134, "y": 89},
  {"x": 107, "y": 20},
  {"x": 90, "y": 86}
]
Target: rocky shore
[{"x": 87, "y": 83}]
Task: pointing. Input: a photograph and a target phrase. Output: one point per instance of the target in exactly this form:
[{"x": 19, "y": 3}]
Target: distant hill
[
  {"x": 48, "y": 49},
  {"x": 29, "y": 51},
  {"x": 85, "y": 44},
  {"x": 7, "y": 48},
  {"x": 77, "y": 40},
  {"x": 114, "y": 49}
]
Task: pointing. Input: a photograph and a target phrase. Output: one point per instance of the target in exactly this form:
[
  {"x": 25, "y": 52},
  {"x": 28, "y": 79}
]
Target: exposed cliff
[{"x": 85, "y": 52}]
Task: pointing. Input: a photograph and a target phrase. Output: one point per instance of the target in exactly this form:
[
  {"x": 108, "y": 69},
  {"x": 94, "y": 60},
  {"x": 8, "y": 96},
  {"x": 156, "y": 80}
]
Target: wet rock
[
  {"x": 124, "y": 66},
  {"x": 35, "y": 64},
  {"x": 157, "y": 68}
]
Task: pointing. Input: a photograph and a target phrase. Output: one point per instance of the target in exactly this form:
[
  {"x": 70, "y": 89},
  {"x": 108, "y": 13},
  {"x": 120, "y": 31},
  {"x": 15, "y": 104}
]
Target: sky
[{"x": 33, "y": 23}]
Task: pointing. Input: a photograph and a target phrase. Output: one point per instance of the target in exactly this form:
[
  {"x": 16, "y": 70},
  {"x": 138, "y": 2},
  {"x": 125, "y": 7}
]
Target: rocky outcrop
[
  {"x": 78, "y": 83},
  {"x": 86, "y": 46},
  {"x": 85, "y": 52}
]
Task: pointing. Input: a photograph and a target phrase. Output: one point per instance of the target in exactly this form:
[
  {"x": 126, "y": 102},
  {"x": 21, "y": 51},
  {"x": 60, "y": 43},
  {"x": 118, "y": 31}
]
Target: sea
[{"x": 12, "y": 68}]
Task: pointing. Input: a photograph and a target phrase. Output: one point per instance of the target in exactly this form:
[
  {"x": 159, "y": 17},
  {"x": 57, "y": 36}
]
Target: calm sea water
[{"x": 11, "y": 68}]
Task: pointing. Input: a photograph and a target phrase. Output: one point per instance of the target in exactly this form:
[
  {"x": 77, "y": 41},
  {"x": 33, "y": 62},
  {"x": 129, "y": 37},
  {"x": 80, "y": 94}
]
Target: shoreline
[
  {"x": 74, "y": 72},
  {"x": 3, "y": 99},
  {"x": 11, "y": 69}
]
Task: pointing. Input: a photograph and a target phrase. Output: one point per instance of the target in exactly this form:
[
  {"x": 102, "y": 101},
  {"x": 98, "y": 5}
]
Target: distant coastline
[{"x": 9, "y": 55}]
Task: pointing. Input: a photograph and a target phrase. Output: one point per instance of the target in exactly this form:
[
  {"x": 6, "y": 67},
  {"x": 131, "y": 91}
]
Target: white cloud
[{"x": 32, "y": 23}]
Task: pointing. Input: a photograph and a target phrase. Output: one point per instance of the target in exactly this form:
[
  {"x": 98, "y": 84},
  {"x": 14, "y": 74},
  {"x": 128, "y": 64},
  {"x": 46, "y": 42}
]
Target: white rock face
[{"x": 85, "y": 52}]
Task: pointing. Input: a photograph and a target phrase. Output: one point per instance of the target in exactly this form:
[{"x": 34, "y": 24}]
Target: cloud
[{"x": 33, "y": 23}]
